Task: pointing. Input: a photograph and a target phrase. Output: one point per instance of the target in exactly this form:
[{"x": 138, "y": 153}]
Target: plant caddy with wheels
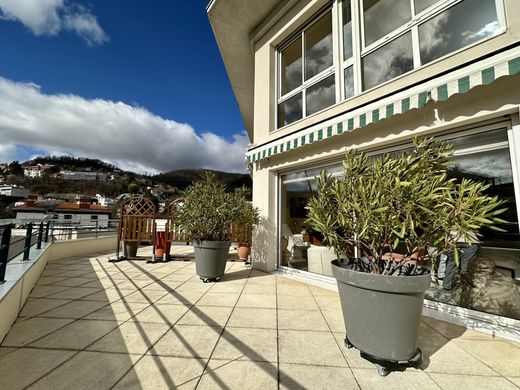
[{"x": 390, "y": 215}]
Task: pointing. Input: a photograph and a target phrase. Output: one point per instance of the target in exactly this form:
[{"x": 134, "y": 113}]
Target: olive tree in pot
[
  {"x": 402, "y": 203},
  {"x": 206, "y": 214}
]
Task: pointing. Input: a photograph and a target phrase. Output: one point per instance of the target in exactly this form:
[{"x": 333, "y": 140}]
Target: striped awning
[{"x": 459, "y": 81}]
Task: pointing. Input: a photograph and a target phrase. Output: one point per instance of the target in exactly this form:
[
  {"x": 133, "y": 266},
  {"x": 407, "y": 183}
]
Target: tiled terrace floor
[{"x": 93, "y": 324}]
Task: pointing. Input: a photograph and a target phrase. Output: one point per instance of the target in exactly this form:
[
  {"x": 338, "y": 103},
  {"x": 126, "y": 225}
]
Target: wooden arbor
[
  {"x": 136, "y": 224},
  {"x": 173, "y": 232}
]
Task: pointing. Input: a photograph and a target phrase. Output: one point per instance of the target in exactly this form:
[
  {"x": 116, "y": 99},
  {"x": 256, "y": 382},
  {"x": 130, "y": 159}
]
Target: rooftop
[{"x": 89, "y": 323}]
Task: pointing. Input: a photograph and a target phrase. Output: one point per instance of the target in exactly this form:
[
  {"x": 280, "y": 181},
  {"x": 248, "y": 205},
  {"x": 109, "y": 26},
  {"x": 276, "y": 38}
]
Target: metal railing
[{"x": 14, "y": 244}]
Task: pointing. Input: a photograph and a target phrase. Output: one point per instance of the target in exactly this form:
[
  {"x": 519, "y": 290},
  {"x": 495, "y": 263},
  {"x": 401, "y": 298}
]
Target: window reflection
[
  {"x": 459, "y": 26},
  {"x": 291, "y": 76},
  {"x": 290, "y": 110},
  {"x": 421, "y": 5},
  {"x": 387, "y": 62},
  {"x": 347, "y": 30},
  {"x": 318, "y": 46},
  {"x": 321, "y": 95},
  {"x": 383, "y": 16},
  {"x": 349, "y": 82}
]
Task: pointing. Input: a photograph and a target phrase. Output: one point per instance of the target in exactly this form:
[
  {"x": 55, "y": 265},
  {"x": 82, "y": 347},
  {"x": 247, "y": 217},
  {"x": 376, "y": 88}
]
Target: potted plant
[
  {"x": 248, "y": 217},
  {"x": 402, "y": 203},
  {"x": 206, "y": 215}
]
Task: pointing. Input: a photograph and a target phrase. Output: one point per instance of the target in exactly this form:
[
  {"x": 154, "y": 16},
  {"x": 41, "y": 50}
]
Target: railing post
[
  {"x": 97, "y": 228},
  {"x": 40, "y": 236},
  {"x": 27, "y": 245},
  {"x": 4, "y": 251},
  {"x": 46, "y": 237}
]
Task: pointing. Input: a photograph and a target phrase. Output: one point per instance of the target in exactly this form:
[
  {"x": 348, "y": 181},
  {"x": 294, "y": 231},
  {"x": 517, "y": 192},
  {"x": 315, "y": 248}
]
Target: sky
[{"x": 137, "y": 83}]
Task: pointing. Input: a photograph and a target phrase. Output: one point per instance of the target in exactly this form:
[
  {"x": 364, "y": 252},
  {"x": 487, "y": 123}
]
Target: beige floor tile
[
  {"x": 6, "y": 350},
  {"x": 74, "y": 293},
  {"x": 24, "y": 366},
  {"x": 88, "y": 370},
  {"x": 163, "y": 372},
  {"x": 117, "y": 311},
  {"x": 236, "y": 274},
  {"x": 226, "y": 288},
  {"x": 45, "y": 291},
  {"x": 314, "y": 348},
  {"x": 301, "y": 320},
  {"x": 492, "y": 354},
  {"x": 206, "y": 315},
  {"x": 453, "y": 331},
  {"x": 145, "y": 296},
  {"x": 442, "y": 356},
  {"x": 187, "y": 341},
  {"x": 108, "y": 295},
  {"x": 257, "y": 300},
  {"x": 515, "y": 380},
  {"x": 101, "y": 283},
  {"x": 297, "y": 303},
  {"x": 74, "y": 273},
  {"x": 239, "y": 375},
  {"x": 176, "y": 277},
  {"x": 73, "y": 282},
  {"x": 38, "y": 306},
  {"x": 24, "y": 332},
  {"x": 328, "y": 302},
  {"x": 297, "y": 376},
  {"x": 76, "y": 335},
  {"x": 185, "y": 298},
  {"x": 259, "y": 277},
  {"x": 299, "y": 290},
  {"x": 197, "y": 286},
  {"x": 74, "y": 310},
  {"x": 410, "y": 379},
  {"x": 48, "y": 280},
  {"x": 217, "y": 299},
  {"x": 130, "y": 337},
  {"x": 257, "y": 288},
  {"x": 245, "y": 317},
  {"x": 247, "y": 344},
  {"x": 160, "y": 314},
  {"x": 457, "y": 382},
  {"x": 335, "y": 320},
  {"x": 318, "y": 291}
]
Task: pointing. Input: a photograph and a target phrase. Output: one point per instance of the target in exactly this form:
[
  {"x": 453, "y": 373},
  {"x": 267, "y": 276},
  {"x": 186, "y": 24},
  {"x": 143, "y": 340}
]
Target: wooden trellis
[
  {"x": 173, "y": 231},
  {"x": 136, "y": 222}
]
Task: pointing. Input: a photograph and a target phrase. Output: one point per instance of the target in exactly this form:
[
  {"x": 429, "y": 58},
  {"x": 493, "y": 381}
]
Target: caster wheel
[
  {"x": 217, "y": 279},
  {"x": 382, "y": 370},
  {"x": 416, "y": 361},
  {"x": 204, "y": 280},
  {"x": 348, "y": 344}
]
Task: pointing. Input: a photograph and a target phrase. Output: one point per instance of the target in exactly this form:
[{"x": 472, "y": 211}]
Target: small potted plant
[
  {"x": 402, "y": 203},
  {"x": 206, "y": 214},
  {"x": 248, "y": 217}
]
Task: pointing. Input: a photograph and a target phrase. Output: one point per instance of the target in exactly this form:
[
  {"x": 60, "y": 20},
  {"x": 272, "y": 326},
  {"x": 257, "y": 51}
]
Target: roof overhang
[{"x": 233, "y": 22}]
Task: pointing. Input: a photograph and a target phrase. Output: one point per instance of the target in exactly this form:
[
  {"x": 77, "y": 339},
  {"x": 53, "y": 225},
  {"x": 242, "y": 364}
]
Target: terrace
[{"x": 89, "y": 323}]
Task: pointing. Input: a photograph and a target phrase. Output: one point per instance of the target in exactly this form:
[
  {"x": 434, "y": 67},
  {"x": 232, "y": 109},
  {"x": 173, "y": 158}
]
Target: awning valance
[{"x": 441, "y": 88}]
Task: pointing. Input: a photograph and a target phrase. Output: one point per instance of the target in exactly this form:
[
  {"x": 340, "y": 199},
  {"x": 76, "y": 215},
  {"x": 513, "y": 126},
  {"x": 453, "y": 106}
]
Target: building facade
[
  {"x": 314, "y": 78},
  {"x": 14, "y": 191}
]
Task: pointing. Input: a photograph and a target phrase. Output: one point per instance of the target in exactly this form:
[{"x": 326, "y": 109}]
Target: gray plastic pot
[
  {"x": 382, "y": 313},
  {"x": 211, "y": 258},
  {"x": 130, "y": 248}
]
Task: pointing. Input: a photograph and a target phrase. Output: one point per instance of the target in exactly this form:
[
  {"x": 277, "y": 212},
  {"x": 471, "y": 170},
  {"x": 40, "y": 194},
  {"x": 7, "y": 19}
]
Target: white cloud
[
  {"x": 49, "y": 17},
  {"x": 127, "y": 136}
]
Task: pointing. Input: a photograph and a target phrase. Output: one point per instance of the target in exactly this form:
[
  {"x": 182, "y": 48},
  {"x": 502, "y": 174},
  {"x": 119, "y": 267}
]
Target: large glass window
[
  {"x": 377, "y": 41},
  {"x": 482, "y": 281}
]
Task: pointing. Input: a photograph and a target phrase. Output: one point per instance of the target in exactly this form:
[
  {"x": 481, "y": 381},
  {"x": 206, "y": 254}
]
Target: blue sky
[{"x": 138, "y": 83}]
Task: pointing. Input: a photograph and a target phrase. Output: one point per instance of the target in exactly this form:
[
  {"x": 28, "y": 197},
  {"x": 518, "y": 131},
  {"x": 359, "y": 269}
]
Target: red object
[{"x": 161, "y": 245}]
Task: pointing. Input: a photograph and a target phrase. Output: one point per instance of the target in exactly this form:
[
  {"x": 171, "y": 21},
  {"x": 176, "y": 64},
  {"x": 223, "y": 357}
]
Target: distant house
[
  {"x": 80, "y": 213},
  {"x": 35, "y": 171},
  {"x": 82, "y": 175},
  {"x": 14, "y": 191},
  {"x": 104, "y": 201}
]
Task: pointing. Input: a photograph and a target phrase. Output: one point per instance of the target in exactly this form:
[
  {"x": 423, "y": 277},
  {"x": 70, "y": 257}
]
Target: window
[
  {"x": 93, "y": 217},
  {"x": 374, "y": 42},
  {"x": 309, "y": 85},
  {"x": 67, "y": 216}
]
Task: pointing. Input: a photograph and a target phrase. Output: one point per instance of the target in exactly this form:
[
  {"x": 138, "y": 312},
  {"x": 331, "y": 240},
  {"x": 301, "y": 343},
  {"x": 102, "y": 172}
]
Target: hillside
[{"x": 182, "y": 178}]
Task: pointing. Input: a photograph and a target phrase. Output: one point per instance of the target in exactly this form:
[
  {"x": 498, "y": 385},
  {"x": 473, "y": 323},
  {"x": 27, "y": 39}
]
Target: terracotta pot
[{"x": 243, "y": 250}]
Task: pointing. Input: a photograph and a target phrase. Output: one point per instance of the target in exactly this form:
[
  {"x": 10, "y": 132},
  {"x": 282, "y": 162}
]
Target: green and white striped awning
[{"x": 460, "y": 81}]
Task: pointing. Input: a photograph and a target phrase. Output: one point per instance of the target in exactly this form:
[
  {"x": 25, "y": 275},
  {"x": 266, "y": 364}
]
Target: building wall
[
  {"x": 265, "y": 74},
  {"x": 30, "y": 216},
  {"x": 83, "y": 219}
]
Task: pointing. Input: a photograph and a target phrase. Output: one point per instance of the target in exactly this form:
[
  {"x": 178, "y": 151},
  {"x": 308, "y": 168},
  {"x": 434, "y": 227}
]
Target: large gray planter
[
  {"x": 382, "y": 315},
  {"x": 211, "y": 258}
]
